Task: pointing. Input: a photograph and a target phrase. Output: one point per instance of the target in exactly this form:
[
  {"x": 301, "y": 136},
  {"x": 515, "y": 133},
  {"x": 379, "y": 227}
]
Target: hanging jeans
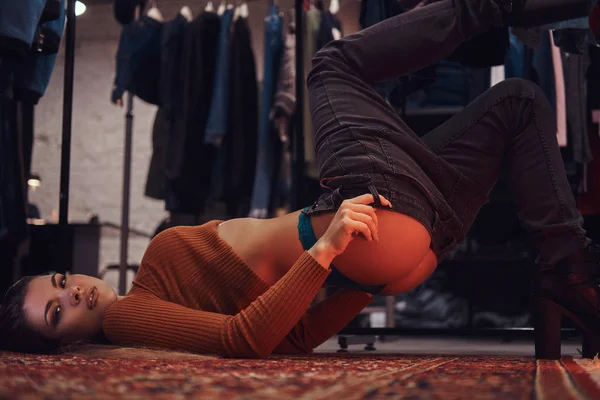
[
  {"x": 261, "y": 193},
  {"x": 216, "y": 126},
  {"x": 443, "y": 179}
]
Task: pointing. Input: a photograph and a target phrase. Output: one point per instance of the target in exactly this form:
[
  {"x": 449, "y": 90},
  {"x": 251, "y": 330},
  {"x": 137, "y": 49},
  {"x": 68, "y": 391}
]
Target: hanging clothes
[
  {"x": 33, "y": 73},
  {"x": 171, "y": 78},
  {"x": 541, "y": 65},
  {"x": 216, "y": 125},
  {"x": 196, "y": 68},
  {"x": 14, "y": 231},
  {"x": 267, "y": 142},
  {"x": 170, "y": 88},
  {"x": 593, "y": 78},
  {"x": 241, "y": 140},
  {"x": 311, "y": 33},
  {"x": 588, "y": 202},
  {"x": 574, "y": 41},
  {"x": 188, "y": 162},
  {"x": 329, "y": 22},
  {"x": 575, "y": 67},
  {"x": 284, "y": 108},
  {"x": 156, "y": 178},
  {"x": 18, "y": 23},
  {"x": 138, "y": 61},
  {"x": 284, "y": 105}
]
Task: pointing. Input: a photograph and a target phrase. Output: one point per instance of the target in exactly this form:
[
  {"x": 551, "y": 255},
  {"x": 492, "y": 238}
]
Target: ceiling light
[
  {"x": 79, "y": 8},
  {"x": 34, "y": 181}
]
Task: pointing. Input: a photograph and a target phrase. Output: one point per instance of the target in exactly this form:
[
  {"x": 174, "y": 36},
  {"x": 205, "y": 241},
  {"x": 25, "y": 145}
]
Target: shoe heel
[
  {"x": 591, "y": 345},
  {"x": 547, "y": 324}
]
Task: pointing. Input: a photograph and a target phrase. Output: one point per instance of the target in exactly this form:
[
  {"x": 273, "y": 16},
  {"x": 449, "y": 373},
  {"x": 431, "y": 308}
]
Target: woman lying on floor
[{"x": 395, "y": 206}]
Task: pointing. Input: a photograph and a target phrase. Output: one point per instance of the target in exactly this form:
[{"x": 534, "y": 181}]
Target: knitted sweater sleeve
[
  {"x": 144, "y": 319},
  {"x": 323, "y": 320}
]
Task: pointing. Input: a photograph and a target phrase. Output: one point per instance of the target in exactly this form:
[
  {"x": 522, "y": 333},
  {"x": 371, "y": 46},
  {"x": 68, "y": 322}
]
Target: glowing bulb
[{"x": 79, "y": 8}]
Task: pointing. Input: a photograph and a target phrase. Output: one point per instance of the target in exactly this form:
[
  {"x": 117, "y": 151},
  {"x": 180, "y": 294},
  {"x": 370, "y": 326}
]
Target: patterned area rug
[{"x": 318, "y": 376}]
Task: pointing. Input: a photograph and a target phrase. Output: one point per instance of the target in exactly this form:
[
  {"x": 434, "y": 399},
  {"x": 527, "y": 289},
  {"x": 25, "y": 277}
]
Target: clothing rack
[
  {"x": 67, "y": 124},
  {"x": 126, "y": 191}
]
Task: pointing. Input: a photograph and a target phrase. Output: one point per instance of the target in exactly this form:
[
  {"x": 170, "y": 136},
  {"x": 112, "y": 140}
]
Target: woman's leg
[
  {"x": 358, "y": 134},
  {"x": 344, "y": 72},
  {"x": 512, "y": 125}
]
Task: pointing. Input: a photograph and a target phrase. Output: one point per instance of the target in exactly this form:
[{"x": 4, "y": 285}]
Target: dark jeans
[{"x": 444, "y": 178}]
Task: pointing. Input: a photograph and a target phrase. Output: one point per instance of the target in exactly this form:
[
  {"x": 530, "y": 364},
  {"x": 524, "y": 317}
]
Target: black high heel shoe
[
  {"x": 530, "y": 13},
  {"x": 571, "y": 290}
]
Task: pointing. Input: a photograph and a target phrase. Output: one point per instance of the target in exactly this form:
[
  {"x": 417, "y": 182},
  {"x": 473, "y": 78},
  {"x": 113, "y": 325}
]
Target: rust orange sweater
[{"x": 193, "y": 293}]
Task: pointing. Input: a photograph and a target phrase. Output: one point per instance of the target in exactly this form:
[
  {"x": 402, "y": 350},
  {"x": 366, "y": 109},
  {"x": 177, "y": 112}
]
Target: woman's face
[{"x": 67, "y": 307}]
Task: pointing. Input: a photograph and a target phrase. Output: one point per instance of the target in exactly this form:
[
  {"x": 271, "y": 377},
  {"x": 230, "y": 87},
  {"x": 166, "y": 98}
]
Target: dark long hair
[{"x": 16, "y": 334}]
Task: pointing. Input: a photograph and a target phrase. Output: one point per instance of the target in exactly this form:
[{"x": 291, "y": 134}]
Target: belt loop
[
  {"x": 337, "y": 197},
  {"x": 375, "y": 194}
]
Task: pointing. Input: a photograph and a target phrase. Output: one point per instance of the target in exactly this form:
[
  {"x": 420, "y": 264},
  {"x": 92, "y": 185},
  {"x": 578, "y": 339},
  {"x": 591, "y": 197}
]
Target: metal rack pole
[
  {"x": 125, "y": 199},
  {"x": 125, "y": 204},
  {"x": 65, "y": 162}
]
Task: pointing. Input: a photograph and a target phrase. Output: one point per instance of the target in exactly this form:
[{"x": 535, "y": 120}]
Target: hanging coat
[
  {"x": 18, "y": 23},
  {"x": 242, "y": 134},
  {"x": 138, "y": 60},
  {"x": 188, "y": 162},
  {"x": 33, "y": 73}
]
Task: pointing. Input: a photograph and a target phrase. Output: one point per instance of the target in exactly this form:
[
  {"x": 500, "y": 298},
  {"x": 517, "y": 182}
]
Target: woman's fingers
[
  {"x": 371, "y": 211},
  {"x": 385, "y": 201},
  {"x": 368, "y": 221},
  {"x": 360, "y": 227},
  {"x": 369, "y": 199}
]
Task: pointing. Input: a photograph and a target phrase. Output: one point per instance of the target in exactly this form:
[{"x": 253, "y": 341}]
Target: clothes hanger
[
  {"x": 236, "y": 12},
  {"x": 187, "y": 13},
  {"x": 154, "y": 12},
  {"x": 244, "y": 11},
  {"x": 334, "y": 6}
]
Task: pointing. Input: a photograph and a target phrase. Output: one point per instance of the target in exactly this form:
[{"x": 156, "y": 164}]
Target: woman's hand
[{"x": 354, "y": 218}]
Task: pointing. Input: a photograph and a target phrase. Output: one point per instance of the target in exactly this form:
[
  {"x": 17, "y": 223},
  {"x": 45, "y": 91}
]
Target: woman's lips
[{"x": 91, "y": 298}]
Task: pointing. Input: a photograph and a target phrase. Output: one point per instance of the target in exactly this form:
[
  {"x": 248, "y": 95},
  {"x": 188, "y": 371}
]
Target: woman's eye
[
  {"x": 63, "y": 281},
  {"x": 56, "y": 318}
]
